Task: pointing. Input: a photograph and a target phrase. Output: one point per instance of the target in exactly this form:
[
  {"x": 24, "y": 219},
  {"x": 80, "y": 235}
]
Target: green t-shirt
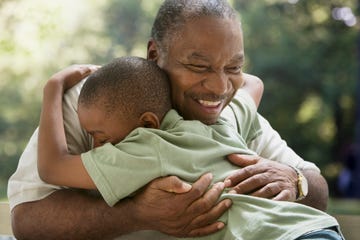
[{"x": 189, "y": 149}]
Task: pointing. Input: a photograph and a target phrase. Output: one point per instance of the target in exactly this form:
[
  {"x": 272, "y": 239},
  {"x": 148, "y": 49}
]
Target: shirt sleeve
[
  {"x": 120, "y": 170},
  {"x": 259, "y": 135},
  {"x": 25, "y": 184},
  {"x": 271, "y": 146}
]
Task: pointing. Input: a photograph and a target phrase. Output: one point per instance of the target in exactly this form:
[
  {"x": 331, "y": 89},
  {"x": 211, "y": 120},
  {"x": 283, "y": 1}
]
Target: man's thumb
[{"x": 171, "y": 184}]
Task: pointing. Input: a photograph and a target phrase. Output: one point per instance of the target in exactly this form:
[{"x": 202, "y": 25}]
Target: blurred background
[{"x": 305, "y": 51}]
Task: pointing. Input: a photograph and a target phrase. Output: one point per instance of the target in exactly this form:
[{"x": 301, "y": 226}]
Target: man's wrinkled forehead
[{"x": 200, "y": 56}]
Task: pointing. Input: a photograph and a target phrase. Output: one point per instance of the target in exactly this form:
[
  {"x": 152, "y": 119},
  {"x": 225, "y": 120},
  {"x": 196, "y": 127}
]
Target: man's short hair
[{"x": 173, "y": 14}]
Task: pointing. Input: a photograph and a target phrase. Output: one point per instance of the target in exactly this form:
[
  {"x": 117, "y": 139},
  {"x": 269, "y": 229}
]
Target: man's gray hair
[{"x": 173, "y": 14}]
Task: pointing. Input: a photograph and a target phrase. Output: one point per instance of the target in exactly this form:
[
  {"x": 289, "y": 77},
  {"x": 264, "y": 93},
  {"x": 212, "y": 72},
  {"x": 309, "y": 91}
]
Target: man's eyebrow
[
  {"x": 198, "y": 56},
  {"x": 239, "y": 57}
]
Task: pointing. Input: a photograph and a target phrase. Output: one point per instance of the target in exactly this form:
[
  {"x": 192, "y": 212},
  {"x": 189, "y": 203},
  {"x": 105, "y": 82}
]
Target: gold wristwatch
[{"x": 302, "y": 185}]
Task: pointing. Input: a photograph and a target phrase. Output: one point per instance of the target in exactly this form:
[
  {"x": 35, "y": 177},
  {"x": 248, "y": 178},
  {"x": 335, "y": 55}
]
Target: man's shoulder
[
  {"x": 243, "y": 99},
  {"x": 241, "y": 113},
  {"x": 71, "y": 96},
  {"x": 241, "y": 104}
]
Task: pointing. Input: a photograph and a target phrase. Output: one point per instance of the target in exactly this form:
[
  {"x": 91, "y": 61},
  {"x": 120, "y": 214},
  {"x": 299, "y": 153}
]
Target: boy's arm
[
  {"x": 254, "y": 86},
  {"x": 55, "y": 164}
]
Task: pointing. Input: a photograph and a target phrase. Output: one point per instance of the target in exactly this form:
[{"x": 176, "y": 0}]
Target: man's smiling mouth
[{"x": 209, "y": 103}]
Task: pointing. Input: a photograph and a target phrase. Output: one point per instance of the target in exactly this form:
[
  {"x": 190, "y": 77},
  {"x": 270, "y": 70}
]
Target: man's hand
[
  {"x": 178, "y": 209},
  {"x": 262, "y": 178}
]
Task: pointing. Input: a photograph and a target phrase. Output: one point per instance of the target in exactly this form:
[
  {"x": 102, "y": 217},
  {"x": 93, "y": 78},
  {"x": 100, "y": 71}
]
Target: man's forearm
[
  {"x": 318, "y": 190},
  {"x": 68, "y": 214}
]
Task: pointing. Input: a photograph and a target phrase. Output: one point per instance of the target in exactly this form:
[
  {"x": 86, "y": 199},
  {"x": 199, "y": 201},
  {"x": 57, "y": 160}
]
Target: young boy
[{"x": 126, "y": 107}]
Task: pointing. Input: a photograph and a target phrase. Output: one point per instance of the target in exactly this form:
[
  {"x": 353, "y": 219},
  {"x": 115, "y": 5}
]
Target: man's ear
[
  {"x": 149, "y": 120},
  {"x": 152, "y": 51}
]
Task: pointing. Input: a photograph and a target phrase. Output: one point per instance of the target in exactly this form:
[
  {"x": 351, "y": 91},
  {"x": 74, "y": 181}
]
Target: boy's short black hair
[{"x": 128, "y": 86}]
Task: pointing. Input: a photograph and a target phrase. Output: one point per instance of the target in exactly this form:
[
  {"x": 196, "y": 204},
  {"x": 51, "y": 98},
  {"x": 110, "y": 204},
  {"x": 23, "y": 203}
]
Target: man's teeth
[{"x": 209, "y": 103}]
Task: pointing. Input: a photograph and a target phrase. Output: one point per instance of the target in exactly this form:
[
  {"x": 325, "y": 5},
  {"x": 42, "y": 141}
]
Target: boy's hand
[{"x": 70, "y": 76}]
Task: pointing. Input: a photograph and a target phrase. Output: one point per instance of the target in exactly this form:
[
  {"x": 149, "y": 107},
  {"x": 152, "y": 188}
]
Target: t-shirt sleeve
[
  {"x": 120, "y": 170},
  {"x": 271, "y": 146}
]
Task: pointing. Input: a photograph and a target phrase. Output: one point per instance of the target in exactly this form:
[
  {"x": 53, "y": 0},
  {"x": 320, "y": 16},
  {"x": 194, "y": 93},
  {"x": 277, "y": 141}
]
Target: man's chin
[{"x": 208, "y": 121}]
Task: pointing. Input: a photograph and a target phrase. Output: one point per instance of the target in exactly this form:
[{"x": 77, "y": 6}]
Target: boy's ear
[
  {"x": 152, "y": 51},
  {"x": 149, "y": 120}
]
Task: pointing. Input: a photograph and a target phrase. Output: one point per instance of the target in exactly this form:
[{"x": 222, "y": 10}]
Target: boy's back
[{"x": 189, "y": 149}]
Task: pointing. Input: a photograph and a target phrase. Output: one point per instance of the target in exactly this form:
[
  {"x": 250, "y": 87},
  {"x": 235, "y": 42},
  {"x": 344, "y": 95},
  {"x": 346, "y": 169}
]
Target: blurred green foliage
[{"x": 306, "y": 58}]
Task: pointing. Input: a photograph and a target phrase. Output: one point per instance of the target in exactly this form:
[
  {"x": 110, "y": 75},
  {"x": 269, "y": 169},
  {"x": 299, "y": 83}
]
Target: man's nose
[{"x": 217, "y": 83}]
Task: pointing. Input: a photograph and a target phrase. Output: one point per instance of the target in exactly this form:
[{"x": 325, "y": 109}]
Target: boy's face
[
  {"x": 104, "y": 129},
  {"x": 204, "y": 65}
]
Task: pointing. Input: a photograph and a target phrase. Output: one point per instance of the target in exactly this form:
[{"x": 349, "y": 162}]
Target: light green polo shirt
[{"x": 189, "y": 149}]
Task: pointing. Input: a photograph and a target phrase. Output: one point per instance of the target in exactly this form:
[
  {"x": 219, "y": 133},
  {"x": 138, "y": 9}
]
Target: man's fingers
[
  {"x": 195, "y": 212},
  {"x": 207, "y": 222},
  {"x": 209, "y": 199},
  {"x": 240, "y": 176},
  {"x": 209, "y": 229},
  {"x": 285, "y": 195},
  {"x": 199, "y": 187},
  {"x": 243, "y": 160},
  {"x": 268, "y": 191},
  {"x": 213, "y": 214},
  {"x": 171, "y": 184},
  {"x": 176, "y": 185},
  {"x": 246, "y": 186}
]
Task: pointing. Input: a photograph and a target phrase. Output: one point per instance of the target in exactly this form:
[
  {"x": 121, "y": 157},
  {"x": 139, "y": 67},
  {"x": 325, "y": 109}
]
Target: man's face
[{"x": 204, "y": 65}]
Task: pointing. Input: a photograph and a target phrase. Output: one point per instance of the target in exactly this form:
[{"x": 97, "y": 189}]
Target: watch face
[{"x": 302, "y": 185}]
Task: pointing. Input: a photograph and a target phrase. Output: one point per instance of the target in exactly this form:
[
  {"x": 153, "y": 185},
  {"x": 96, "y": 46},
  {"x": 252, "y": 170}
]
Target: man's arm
[
  {"x": 74, "y": 215},
  {"x": 270, "y": 175},
  {"x": 67, "y": 214}
]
